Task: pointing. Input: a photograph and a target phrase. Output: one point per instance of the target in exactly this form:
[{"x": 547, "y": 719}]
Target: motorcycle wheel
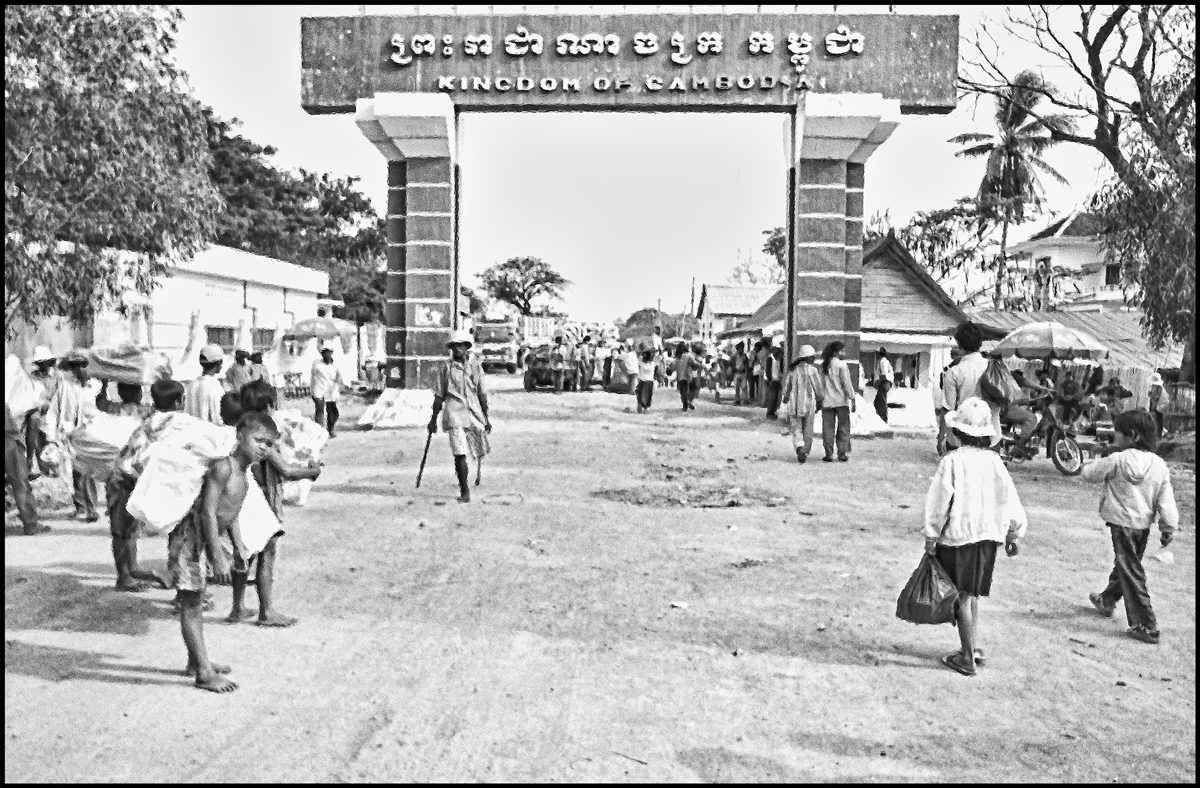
[{"x": 1067, "y": 456}]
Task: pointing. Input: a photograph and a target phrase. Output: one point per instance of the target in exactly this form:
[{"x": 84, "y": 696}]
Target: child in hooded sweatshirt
[{"x": 1137, "y": 491}]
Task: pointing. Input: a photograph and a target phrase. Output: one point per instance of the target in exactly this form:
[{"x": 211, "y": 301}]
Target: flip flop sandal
[
  {"x": 950, "y": 662},
  {"x": 980, "y": 657}
]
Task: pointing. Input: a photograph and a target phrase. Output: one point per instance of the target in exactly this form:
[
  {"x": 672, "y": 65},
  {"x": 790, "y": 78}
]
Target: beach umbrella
[
  {"x": 323, "y": 328},
  {"x": 1050, "y": 340}
]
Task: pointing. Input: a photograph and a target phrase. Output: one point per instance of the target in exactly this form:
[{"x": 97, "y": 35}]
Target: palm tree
[{"x": 1010, "y": 182}]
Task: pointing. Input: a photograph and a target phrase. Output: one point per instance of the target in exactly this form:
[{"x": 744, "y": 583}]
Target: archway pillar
[
  {"x": 839, "y": 133},
  {"x": 415, "y": 133}
]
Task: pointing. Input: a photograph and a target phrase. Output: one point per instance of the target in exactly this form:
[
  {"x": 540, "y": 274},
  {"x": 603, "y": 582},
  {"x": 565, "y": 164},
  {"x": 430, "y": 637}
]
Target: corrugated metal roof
[
  {"x": 732, "y": 300},
  {"x": 1120, "y": 332}
]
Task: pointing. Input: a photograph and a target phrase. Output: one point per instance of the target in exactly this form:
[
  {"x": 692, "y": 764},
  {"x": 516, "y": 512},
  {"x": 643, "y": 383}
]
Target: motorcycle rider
[{"x": 1021, "y": 412}]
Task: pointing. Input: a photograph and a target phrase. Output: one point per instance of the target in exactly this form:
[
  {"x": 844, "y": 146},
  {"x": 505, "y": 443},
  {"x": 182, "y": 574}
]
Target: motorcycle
[{"x": 1059, "y": 439}]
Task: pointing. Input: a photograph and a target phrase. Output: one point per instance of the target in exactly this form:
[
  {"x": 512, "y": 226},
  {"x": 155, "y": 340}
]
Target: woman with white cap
[
  {"x": 460, "y": 396},
  {"x": 801, "y": 393},
  {"x": 971, "y": 507},
  {"x": 1158, "y": 400}
]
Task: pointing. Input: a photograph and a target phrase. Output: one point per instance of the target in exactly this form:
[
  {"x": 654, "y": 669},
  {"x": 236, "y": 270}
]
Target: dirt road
[{"x": 601, "y": 613}]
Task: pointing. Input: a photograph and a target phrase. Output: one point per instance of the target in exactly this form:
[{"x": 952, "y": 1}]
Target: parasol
[
  {"x": 1050, "y": 340},
  {"x": 323, "y": 328}
]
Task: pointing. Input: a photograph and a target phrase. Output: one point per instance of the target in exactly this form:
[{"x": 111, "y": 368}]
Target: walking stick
[{"x": 424, "y": 457}]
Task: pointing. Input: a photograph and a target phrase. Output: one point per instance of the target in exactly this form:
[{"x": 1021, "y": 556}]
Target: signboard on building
[{"x": 630, "y": 61}]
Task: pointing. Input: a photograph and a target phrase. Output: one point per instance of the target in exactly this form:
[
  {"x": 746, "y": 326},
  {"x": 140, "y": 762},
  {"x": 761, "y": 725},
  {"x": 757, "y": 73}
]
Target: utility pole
[{"x": 692, "y": 309}]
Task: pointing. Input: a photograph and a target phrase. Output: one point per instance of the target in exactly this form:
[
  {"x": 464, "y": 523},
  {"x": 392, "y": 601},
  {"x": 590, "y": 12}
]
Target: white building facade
[
  {"x": 1071, "y": 245},
  {"x": 222, "y": 296}
]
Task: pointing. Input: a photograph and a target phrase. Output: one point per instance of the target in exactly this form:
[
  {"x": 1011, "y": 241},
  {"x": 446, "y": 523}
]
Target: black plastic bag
[{"x": 929, "y": 597}]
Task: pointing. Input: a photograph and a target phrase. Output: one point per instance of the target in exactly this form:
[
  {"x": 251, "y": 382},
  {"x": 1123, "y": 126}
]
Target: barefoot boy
[
  {"x": 204, "y": 532},
  {"x": 270, "y": 473}
]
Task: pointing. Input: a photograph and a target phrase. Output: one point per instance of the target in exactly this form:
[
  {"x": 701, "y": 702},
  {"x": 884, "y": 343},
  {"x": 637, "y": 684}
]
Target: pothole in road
[
  {"x": 694, "y": 496},
  {"x": 672, "y": 472}
]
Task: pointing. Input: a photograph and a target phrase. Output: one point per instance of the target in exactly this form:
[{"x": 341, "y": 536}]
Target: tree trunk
[
  {"x": 1187, "y": 367},
  {"x": 1001, "y": 264}
]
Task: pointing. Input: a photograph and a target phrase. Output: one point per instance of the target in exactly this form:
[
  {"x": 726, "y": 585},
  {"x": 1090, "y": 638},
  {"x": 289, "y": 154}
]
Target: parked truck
[{"x": 498, "y": 344}]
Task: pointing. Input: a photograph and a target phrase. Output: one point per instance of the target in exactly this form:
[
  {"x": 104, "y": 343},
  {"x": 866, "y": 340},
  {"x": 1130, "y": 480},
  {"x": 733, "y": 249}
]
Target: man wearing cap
[
  {"x": 45, "y": 380},
  {"x": 240, "y": 372},
  {"x": 326, "y": 387},
  {"x": 801, "y": 396},
  {"x": 884, "y": 374},
  {"x": 203, "y": 396},
  {"x": 460, "y": 396},
  {"x": 71, "y": 407}
]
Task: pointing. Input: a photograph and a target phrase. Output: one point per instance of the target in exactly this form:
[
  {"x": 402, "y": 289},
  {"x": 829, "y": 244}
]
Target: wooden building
[
  {"x": 723, "y": 307},
  {"x": 903, "y": 310}
]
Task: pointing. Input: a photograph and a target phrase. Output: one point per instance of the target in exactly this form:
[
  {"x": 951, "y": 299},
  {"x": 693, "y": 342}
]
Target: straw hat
[
  {"x": 1156, "y": 379},
  {"x": 806, "y": 351},
  {"x": 973, "y": 417},
  {"x": 42, "y": 353},
  {"x": 460, "y": 337}
]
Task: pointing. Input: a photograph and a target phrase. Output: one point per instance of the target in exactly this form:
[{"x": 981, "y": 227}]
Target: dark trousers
[
  {"x": 694, "y": 391},
  {"x": 326, "y": 413},
  {"x": 86, "y": 491},
  {"x": 16, "y": 478},
  {"x": 881, "y": 392},
  {"x": 1128, "y": 578},
  {"x": 645, "y": 393},
  {"x": 754, "y": 387},
  {"x": 685, "y": 392},
  {"x": 774, "y": 393},
  {"x": 835, "y": 430},
  {"x": 35, "y": 439}
]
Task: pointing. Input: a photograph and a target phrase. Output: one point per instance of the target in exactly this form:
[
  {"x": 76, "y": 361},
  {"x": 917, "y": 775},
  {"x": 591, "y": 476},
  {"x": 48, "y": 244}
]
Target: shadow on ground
[
  {"x": 60, "y": 602},
  {"x": 52, "y": 663}
]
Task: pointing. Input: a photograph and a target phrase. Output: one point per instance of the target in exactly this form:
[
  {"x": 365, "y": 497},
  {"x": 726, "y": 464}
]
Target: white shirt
[
  {"x": 962, "y": 382},
  {"x": 883, "y": 369},
  {"x": 326, "y": 381},
  {"x": 646, "y": 371},
  {"x": 203, "y": 399},
  {"x": 972, "y": 499}
]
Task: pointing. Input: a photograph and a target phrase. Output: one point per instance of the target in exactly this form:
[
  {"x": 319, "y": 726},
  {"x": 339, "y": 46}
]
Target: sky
[{"x": 629, "y": 207}]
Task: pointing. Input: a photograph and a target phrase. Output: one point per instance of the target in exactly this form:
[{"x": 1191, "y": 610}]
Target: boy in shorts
[{"x": 202, "y": 537}]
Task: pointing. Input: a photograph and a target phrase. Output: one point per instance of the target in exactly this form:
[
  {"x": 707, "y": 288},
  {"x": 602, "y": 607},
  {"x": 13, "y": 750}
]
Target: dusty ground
[{"x": 601, "y": 613}]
